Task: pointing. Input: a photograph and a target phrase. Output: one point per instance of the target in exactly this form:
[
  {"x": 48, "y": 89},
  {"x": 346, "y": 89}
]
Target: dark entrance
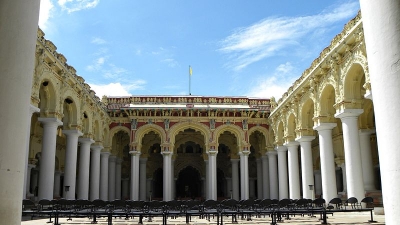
[
  {"x": 158, "y": 184},
  {"x": 188, "y": 185}
]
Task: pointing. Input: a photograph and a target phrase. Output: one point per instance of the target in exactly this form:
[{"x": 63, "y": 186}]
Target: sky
[{"x": 254, "y": 48}]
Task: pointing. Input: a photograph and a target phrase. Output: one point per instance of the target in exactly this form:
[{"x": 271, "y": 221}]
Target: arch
[
  {"x": 327, "y": 101},
  {"x": 48, "y": 97},
  {"x": 354, "y": 80},
  {"x": 70, "y": 112},
  {"x": 291, "y": 128},
  {"x": 262, "y": 130},
  {"x": 97, "y": 131},
  {"x": 234, "y": 129},
  {"x": 307, "y": 114},
  {"x": 143, "y": 130},
  {"x": 86, "y": 122},
  {"x": 116, "y": 129},
  {"x": 176, "y": 128},
  {"x": 279, "y": 134}
]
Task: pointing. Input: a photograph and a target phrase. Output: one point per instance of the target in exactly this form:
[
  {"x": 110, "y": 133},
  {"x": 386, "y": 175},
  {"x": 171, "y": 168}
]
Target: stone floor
[{"x": 337, "y": 218}]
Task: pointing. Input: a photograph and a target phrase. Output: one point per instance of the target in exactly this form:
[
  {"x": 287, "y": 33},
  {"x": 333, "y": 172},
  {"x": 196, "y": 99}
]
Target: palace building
[
  {"x": 320, "y": 133},
  {"x": 320, "y": 139}
]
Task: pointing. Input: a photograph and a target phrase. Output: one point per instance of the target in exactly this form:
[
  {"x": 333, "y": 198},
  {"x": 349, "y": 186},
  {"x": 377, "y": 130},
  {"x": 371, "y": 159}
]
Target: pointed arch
[{"x": 176, "y": 128}]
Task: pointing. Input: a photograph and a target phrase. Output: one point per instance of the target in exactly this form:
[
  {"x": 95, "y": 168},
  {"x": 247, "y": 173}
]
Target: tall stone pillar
[
  {"x": 212, "y": 171},
  {"x": 95, "y": 172},
  {"x": 47, "y": 161},
  {"x": 135, "y": 156},
  {"x": 167, "y": 179},
  {"x": 235, "y": 178},
  {"x": 265, "y": 179},
  {"x": 32, "y": 109},
  {"x": 104, "y": 157},
  {"x": 306, "y": 165},
  {"x": 70, "y": 162},
  {"x": 143, "y": 178},
  {"x": 327, "y": 160},
  {"x": 111, "y": 177},
  {"x": 273, "y": 174},
  {"x": 84, "y": 168},
  {"x": 17, "y": 55},
  {"x": 259, "y": 179},
  {"x": 381, "y": 23},
  {"x": 118, "y": 174},
  {"x": 244, "y": 172},
  {"x": 173, "y": 191},
  {"x": 57, "y": 184},
  {"x": 366, "y": 159},
  {"x": 352, "y": 151},
  {"x": 282, "y": 172},
  {"x": 294, "y": 178}
]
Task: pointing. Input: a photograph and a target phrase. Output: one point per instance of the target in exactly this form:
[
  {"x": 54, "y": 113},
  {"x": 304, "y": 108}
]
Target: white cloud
[
  {"x": 77, "y": 5},
  {"x": 171, "y": 62},
  {"x": 98, "y": 41},
  {"x": 117, "y": 89},
  {"x": 97, "y": 64},
  {"x": 276, "y": 84},
  {"x": 46, "y": 9},
  {"x": 264, "y": 39},
  {"x": 113, "y": 72}
]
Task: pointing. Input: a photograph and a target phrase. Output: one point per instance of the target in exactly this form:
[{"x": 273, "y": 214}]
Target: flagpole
[{"x": 190, "y": 79}]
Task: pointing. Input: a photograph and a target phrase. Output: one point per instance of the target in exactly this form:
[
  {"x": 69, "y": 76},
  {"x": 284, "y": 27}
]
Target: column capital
[
  {"x": 305, "y": 138},
  {"x": 143, "y": 160},
  {"x": 345, "y": 113},
  {"x": 72, "y": 132},
  {"x": 281, "y": 148},
  {"x": 291, "y": 144},
  {"x": 33, "y": 109},
  {"x": 95, "y": 148},
  {"x": 324, "y": 126},
  {"x": 135, "y": 153},
  {"x": 31, "y": 166},
  {"x": 212, "y": 152},
  {"x": 244, "y": 152},
  {"x": 85, "y": 140},
  {"x": 271, "y": 153},
  {"x": 50, "y": 121},
  {"x": 234, "y": 160},
  {"x": 105, "y": 153}
]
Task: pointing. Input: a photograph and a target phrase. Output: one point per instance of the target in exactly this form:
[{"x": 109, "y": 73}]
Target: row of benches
[{"x": 276, "y": 210}]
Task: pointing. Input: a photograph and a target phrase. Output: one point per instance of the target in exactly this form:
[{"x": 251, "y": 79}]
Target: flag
[{"x": 190, "y": 70}]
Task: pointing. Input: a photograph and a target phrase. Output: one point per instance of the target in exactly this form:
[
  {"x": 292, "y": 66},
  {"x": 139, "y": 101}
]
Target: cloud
[
  {"x": 113, "y": 72},
  {"x": 77, "y": 5},
  {"x": 46, "y": 10},
  {"x": 170, "y": 62},
  {"x": 98, "y": 41},
  {"x": 266, "y": 38},
  {"x": 117, "y": 89},
  {"x": 276, "y": 84},
  {"x": 97, "y": 64}
]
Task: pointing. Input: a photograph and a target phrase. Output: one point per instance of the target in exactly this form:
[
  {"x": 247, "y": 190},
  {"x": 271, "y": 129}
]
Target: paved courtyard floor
[{"x": 337, "y": 218}]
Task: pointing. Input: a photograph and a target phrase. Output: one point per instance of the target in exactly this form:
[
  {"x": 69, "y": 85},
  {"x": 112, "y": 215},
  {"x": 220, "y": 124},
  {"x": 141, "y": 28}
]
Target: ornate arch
[
  {"x": 176, "y": 128},
  {"x": 234, "y": 129},
  {"x": 143, "y": 130}
]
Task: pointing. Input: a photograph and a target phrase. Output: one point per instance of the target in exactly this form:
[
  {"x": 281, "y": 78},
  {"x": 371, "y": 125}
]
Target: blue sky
[{"x": 254, "y": 48}]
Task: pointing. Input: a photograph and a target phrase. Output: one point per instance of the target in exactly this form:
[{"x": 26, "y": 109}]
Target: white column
[
  {"x": 206, "y": 183},
  {"x": 70, "y": 162},
  {"x": 366, "y": 159},
  {"x": 282, "y": 172},
  {"x": 352, "y": 152},
  {"x": 327, "y": 160},
  {"x": 259, "y": 179},
  {"x": 143, "y": 178},
  {"x": 173, "y": 180},
  {"x": 135, "y": 155},
  {"x": 95, "y": 172},
  {"x": 167, "y": 180},
  {"x": 306, "y": 165},
  {"x": 125, "y": 188},
  {"x": 235, "y": 178},
  {"x": 265, "y": 178},
  {"x": 273, "y": 175},
  {"x": 244, "y": 172},
  {"x": 118, "y": 171},
  {"x": 149, "y": 188},
  {"x": 104, "y": 175},
  {"x": 84, "y": 168},
  {"x": 32, "y": 109},
  {"x": 318, "y": 182},
  {"x": 111, "y": 177},
  {"x": 293, "y": 167},
  {"x": 381, "y": 23},
  {"x": 18, "y": 31},
  {"x": 57, "y": 184},
  {"x": 212, "y": 163},
  {"x": 28, "y": 180},
  {"x": 47, "y": 161}
]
